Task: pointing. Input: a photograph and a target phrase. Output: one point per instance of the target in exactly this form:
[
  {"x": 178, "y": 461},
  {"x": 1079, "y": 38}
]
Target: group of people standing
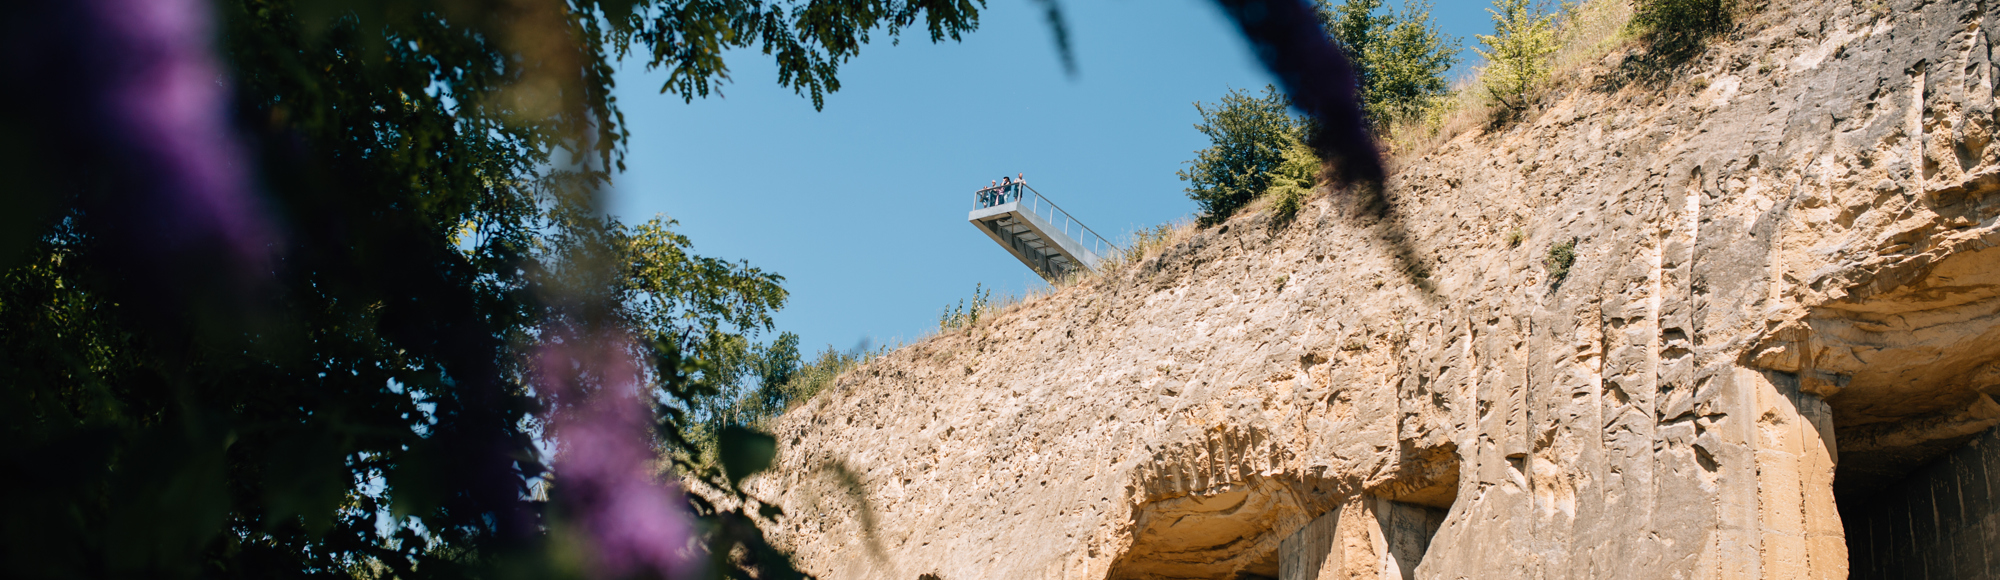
[{"x": 1006, "y": 189}]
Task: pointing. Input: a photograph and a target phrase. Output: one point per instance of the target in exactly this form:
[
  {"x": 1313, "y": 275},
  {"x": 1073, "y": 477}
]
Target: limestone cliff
[{"x": 1782, "y": 254}]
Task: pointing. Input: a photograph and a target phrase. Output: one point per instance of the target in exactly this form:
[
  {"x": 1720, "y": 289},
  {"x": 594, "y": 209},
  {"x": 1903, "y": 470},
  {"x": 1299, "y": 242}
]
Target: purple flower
[
  {"x": 157, "y": 106},
  {"x": 601, "y": 423}
]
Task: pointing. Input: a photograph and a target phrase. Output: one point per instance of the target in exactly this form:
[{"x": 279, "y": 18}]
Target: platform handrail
[{"x": 1097, "y": 245}]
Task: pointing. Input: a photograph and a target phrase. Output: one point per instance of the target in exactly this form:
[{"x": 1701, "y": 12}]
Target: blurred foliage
[
  {"x": 1517, "y": 53},
  {"x": 1248, "y": 134},
  {"x": 1400, "y": 57},
  {"x": 362, "y": 409}
]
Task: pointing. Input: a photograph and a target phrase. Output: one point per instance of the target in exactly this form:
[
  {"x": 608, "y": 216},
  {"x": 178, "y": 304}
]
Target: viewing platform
[{"x": 1037, "y": 232}]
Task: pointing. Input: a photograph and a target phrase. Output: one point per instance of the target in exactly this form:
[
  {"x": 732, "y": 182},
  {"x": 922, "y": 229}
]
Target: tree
[
  {"x": 334, "y": 291},
  {"x": 1400, "y": 58},
  {"x": 1292, "y": 182},
  {"x": 1409, "y": 64},
  {"x": 1248, "y": 135},
  {"x": 1517, "y": 53},
  {"x": 1356, "y": 27}
]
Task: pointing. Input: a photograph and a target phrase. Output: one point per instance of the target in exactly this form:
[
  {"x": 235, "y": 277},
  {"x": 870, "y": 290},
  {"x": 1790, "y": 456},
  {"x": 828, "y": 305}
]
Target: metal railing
[{"x": 1033, "y": 202}]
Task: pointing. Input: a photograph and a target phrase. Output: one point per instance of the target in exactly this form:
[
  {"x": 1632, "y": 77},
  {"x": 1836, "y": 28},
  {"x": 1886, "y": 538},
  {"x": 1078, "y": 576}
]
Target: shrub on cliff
[
  {"x": 816, "y": 376},
  {"x": 753, "y": 383},
  {"x": 1676, "y": 28},
  {"x": 1293, "y": 181},
  {"x": 1146, "y": 240},
  {"x": 963, "y": 316},
  {"x": 1248, "y": 135}
]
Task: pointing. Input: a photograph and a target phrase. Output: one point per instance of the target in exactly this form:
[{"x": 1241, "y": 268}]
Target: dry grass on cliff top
[{"x": 1144, "y": 243}]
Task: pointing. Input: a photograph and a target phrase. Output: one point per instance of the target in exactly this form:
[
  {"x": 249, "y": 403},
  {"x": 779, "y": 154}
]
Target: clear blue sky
[{"x": 862, "y": 206}]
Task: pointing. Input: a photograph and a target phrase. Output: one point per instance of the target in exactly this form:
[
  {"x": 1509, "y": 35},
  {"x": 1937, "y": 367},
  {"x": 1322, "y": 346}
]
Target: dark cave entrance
[
  {"x": 1909, "y": 367},
  {"x": 1938, "y": 519}
]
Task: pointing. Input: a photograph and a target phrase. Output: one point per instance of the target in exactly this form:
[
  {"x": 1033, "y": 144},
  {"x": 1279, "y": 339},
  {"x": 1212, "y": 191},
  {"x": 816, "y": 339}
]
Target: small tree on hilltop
[
  {"x": 1400, "y": 58},
  {"x": 1409, "y": 63},
  {"x": 1293, "y": 180},
  {"x": 1355, "y": 26},
  {"x": 1517, "y": 53},
  {"x": 1248, "y": 135}
]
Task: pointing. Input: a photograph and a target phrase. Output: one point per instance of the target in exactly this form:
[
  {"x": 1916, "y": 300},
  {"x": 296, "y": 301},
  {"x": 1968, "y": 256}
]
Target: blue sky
[{"x": 862, "y": 206}]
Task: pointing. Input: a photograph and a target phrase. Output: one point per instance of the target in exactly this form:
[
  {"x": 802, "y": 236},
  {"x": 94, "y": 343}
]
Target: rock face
[{"x": 1786, "y": 253}]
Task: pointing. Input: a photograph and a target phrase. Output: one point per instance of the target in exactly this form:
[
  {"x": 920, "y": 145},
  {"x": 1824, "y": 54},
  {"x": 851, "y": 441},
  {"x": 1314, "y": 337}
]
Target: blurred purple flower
[
  {"x": 131, "y": 95},
  {"x": 602, "y": 425}
]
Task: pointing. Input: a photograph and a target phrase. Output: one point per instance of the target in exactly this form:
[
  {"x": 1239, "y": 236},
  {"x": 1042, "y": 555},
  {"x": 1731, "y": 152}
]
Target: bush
[
  {"x": 1517, "y": 53},
  {"x": 1676, "y": 28},
  {"x": 812, "y": 378},
  {"x": 1248, "y": 136},
  {"x": 752, "y": 384},
  {"x": 1409, "y": 67},
  {"x": 1292, "y": 182},
  {"x": 1561, "y": 257}
]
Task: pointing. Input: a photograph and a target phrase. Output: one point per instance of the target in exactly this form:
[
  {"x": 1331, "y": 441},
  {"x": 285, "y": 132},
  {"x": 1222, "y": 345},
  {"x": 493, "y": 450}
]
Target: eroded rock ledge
[{"x": 1786, "y": 251}]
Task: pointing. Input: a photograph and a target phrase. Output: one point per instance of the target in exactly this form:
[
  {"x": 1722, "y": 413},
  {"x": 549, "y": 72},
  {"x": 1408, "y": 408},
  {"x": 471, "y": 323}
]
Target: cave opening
[
  {"x": 1279, "y": 527},
  {"x": 1219, "y": 533},
  {"x": 1923, "y": 510},
  {"x": 1905, "y": 366}
]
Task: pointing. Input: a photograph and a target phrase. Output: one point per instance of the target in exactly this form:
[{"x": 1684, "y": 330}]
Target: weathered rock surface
[{"x": 1787, "y": 250}]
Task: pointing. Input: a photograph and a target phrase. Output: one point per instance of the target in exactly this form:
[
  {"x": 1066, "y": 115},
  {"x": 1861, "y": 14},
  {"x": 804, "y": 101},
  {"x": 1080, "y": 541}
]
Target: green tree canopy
[
  {"x": 1249, "y": 135},
  {"x": 1400, "y": 57}
]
